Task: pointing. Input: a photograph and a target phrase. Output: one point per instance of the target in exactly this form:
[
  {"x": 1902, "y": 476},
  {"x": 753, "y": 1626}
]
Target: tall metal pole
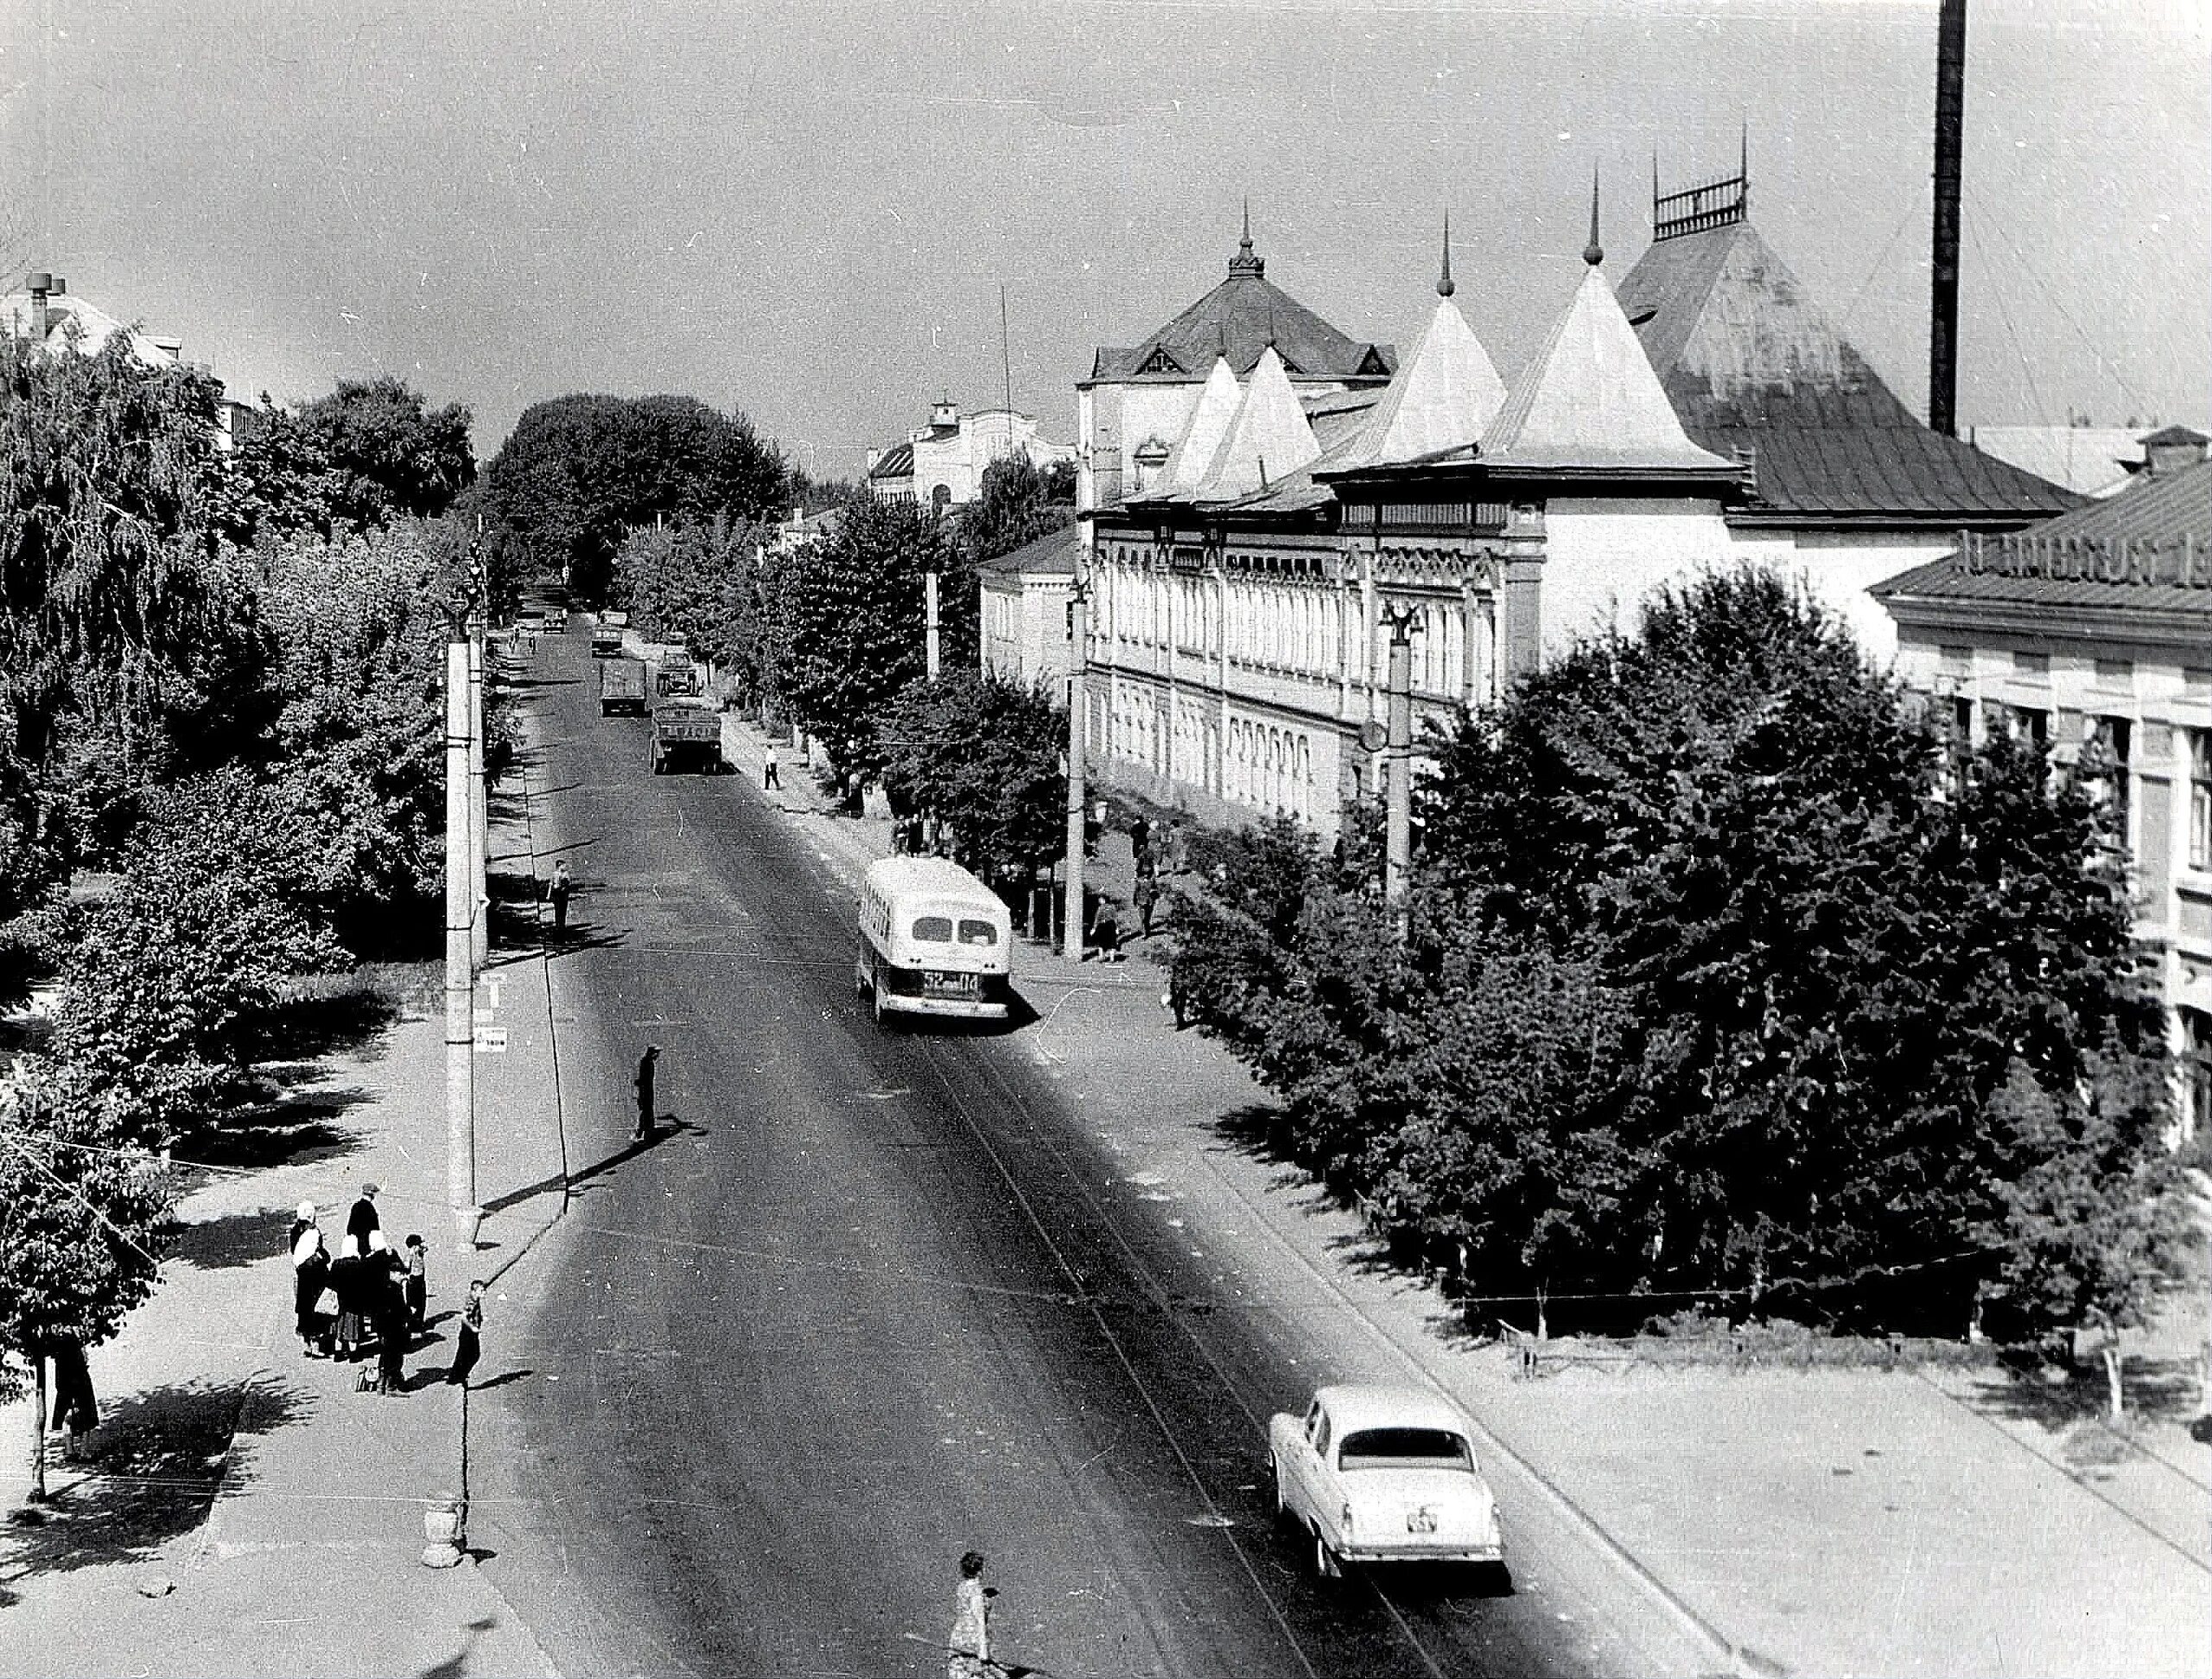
[
  {"x": 1079, "y": 635},
  {"x": 1398, "y": 761},
  {"x": 1950, "y": 147},
  {"x": 480, "y": 838},
  {"x": 930, "y": 599},
  {"x": 460, "y": 1029}
]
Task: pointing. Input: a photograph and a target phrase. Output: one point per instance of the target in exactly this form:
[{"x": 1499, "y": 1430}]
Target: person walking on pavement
[
  {"x": 644, "y": 1081},
  {"x": 468, "y": 1344},
  {"x": 970, "y": 1640},
  {"x": 769, "y": 775},
  {"x": 1146, "y": 897},
  {"x": 362, "y": 1222},
  {"x": 558, "y": 892},
  {"x": 74, "y": 1408}
]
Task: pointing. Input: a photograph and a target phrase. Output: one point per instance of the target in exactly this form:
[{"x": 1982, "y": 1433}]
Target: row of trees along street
[
  {"x": 661, "y": 507},
  {"x": 1725, "y": 985},
  {"x": 221, "y": 784}
]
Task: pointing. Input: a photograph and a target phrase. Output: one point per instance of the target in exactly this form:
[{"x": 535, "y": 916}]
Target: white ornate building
[{"x": 941, "y": 464}]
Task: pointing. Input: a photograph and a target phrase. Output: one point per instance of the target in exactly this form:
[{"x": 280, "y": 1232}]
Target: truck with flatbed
[
  {"x": 687, "y": 730},
  {"x": 622, "y": 687}
]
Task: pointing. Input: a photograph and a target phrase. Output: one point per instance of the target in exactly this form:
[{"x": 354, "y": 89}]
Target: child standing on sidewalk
[{"x": 418, "y": 1283}]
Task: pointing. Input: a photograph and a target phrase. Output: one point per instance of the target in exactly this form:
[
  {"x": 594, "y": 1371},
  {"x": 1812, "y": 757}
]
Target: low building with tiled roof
[
  {"x": 1024, "y": 607},
  {"x": 1139, "y": 400},
  {"x": 1848, "y": 484},
  {"x": 2092, "y": 632}
]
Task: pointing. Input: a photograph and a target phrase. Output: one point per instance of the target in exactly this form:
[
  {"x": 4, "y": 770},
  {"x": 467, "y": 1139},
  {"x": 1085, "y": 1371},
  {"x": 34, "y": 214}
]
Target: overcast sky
[{"x": 807, "y": 211}]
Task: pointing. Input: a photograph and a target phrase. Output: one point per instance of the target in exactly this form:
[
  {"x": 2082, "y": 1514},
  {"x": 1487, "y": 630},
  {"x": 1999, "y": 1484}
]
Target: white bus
[{"x": 933, "y": 940}]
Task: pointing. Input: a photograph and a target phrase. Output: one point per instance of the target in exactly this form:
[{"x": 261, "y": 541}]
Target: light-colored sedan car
[{"x": 1379, "y": 1474}]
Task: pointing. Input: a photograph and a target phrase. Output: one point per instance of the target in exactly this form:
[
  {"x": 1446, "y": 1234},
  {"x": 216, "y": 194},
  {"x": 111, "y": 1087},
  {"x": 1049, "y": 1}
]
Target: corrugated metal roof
[
  {"x": 1751, "y": 364},
  {"x": 2136, "y": 549}
]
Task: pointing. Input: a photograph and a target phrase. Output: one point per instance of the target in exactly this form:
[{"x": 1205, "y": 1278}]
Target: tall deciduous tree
[
  {"x": 983, "y": 754},
  {"x": 398, "y": 457},
  {"x": 1017, "y": 502}
]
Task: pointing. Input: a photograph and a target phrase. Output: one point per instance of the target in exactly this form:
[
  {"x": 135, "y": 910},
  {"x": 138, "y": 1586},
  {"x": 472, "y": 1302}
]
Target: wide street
[{"x": 868, "y": 1304}]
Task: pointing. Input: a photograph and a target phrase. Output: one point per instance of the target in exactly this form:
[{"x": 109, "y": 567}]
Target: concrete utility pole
[
  {"x": 1079, "y": 636},
  {"x": 929, "y": 597},
  {"x": 480, "y": 836},
  {"x": 1950, "y": 148},
  {"x": 460, "y": 989},
  {"x": 1398, "y": 758}
]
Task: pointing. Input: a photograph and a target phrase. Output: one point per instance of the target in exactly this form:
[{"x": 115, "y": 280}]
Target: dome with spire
[{"x": 1240, "y": 318}]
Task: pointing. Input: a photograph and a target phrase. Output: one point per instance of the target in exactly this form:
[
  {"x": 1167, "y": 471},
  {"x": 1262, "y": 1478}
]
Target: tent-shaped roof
[
  {"x": 1209, "y": 422},
  {"x": 1445, "y": 395},
  {"x": 1591, "y": 399},
  {"x": 1243, "y": 315},
  {"x": 1269, "y": 439},
  {"x": 1751, "y": 364}
]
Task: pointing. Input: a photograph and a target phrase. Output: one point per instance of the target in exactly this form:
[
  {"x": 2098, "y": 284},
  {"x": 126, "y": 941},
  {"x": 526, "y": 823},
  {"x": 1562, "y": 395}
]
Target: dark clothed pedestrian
[
  {"x": 310, "y": 1273},
  {"x": 390, "y": 1320},
  {"x": 345, "y": 1282},
  {"x": 1146, "y": 898},
  {"x": 362, "y": 1222},
  {"x": 1106, "y": 934},
  {"x": 74, "y": 1408},
  {"x": 558, "y": 895},
  {"x": 645, "y": 1084},
  {"x": 468, "y": 1344},
  {"x": 417, "y": 1290}
]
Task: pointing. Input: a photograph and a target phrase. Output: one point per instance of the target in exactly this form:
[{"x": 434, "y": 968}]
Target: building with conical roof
[
  {"x": 1444, "y": 395},
  {"x": 1849, "y": 487},
  {"x": 1138, "y": 401}
]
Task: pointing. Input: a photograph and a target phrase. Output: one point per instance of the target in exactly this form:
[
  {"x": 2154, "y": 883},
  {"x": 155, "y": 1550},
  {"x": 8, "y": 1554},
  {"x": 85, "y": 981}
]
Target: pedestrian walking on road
[
  {"x": 310, "y": 1272},
  {"x": 468, "y": 1344},
  {"x": 417, "y": 1285},
  {"x": 1106, "y": 933},
  {"x": 769, "y": 775},
  {"x": 1146, "y": 898},
  {"x": 362, "y": 1222},
  {"x": 74, "y": 1408},
  {"x": 558, "y": 892},
  {"x": 644, "y": 1081},
  {"x": 970, "y": 1640}
]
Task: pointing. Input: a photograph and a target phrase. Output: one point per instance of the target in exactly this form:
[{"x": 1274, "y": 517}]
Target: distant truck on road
[
  {"x": 687, "y": 730},
  {"x": 674, "y": 678},
  {"x": 622, "y": 687}
]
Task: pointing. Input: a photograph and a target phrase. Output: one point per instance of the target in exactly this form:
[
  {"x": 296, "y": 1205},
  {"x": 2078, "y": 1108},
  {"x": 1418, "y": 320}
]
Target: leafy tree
[
  {"x": 82, "y": 1193},
  {"x": 857, "y": 636},
  {"x": 580, "y": 472},
  {"x": 983, "y": 754},
  {"x": 1809, "y": 949},
  {"x": 1016, "y": 503},
  {"x": 398, "y": 457}
]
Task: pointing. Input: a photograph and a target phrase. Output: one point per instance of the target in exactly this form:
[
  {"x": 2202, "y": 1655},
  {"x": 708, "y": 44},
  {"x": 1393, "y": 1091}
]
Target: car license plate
[
  {"x": 938, "y": 983},
  {"x": 1422, "y": 1520}
]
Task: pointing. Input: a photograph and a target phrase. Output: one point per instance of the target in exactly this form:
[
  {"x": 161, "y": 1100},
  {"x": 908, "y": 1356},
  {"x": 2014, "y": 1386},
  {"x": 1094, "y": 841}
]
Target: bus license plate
[{"x": 936, "y": 983}]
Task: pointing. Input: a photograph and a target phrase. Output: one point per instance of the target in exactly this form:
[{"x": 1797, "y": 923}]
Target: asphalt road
[{"x": 863, "y": 1308}]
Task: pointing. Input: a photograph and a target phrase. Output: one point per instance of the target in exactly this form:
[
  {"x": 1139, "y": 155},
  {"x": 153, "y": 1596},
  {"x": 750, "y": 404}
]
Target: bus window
[
  {"x": 933, "y": 930},
  {"x": 977, "y": 932}
]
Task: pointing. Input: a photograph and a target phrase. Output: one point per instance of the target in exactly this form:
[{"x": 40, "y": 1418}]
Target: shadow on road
[{"x": 670, "y": 1128}]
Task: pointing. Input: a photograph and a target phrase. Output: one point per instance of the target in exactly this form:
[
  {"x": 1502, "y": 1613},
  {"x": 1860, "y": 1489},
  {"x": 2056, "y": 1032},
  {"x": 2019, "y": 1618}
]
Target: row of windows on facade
[
  {"x": 1266, "y": 766},
  {"x": 1299, "y": 631},
  {"x": 2113, "y": 673}
]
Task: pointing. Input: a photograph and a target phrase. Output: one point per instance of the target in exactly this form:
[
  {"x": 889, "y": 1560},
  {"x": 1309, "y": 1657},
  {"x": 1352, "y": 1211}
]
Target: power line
[{"x": 2005, "y": 315}]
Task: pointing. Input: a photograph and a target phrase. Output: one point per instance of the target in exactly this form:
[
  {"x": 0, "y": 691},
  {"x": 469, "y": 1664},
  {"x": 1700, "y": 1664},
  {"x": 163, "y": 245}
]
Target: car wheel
[{"x": 1326, "y": 1562}]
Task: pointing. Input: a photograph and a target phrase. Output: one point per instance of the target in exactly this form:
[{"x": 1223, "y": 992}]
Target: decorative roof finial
[
  {"x": 1743, "y": 171},
  {"x": 1593, "y": 253},
  {"x": 1244, "y": 262},
  {"x": 1444, "y": 286}
]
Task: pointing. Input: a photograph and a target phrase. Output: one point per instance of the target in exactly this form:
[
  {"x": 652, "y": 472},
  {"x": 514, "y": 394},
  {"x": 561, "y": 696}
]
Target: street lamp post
[
  {"x": 1080, "y": 639},
  {"x": 480, "y": 838},
  {"x": 1398, "y": 757},
  {"x": 460, "y": 1025}
]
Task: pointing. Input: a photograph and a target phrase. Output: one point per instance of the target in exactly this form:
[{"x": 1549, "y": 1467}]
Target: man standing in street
[
  {"x": 558, "y": 892},
  {"x": 769, "y": 776},
  {"x": 362, "y": 1222},
  {"x": 645, "y": 1131}
]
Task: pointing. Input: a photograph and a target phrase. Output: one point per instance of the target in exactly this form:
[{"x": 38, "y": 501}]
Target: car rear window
[
  {"x": 1393, "y": 1449},
  {"x": 933, "y": 930},
  {"x": 977, "y": 932}
]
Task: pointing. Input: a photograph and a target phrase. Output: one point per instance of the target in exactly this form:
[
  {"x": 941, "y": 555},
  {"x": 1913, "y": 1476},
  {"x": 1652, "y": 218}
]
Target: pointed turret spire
[
  {"x": 1593, "y": 253},
  {"x": 1444, "y": 286},
  {"x": 1744, "y": 168},
  {"x": 1244, "y": 262}
]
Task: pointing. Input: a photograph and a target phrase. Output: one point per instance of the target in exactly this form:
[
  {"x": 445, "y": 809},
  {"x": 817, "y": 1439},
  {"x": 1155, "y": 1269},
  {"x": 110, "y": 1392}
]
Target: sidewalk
[
  {"x": 248, "y": 1511},
  {"x": 1832, "y": 1521}
]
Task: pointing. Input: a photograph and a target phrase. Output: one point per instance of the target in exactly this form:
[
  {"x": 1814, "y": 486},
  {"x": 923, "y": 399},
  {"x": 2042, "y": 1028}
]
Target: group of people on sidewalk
[{"x": 368, "y": 1296}]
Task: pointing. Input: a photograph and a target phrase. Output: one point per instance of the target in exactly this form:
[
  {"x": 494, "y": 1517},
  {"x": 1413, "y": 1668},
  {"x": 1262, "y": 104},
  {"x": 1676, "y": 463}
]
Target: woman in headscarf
[
  {"x": 310, "y": 1271},
  {"x": 971, "y": 1643},
  {"x": 346, "y": 1277}
]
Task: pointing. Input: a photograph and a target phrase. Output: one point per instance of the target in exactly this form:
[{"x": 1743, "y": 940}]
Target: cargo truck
[
  {"x": 622, "y": 687},
  {"x": 687, "y": 730}
]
